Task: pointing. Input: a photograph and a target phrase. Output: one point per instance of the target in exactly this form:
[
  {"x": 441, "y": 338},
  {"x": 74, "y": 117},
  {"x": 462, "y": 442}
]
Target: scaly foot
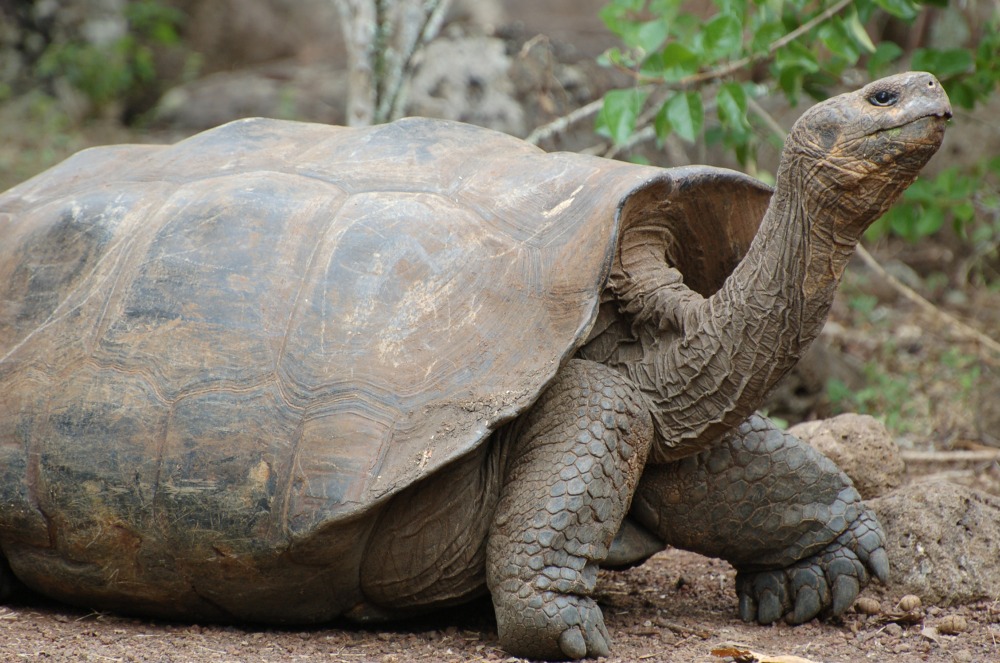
[{"x": 831, "y": 579}]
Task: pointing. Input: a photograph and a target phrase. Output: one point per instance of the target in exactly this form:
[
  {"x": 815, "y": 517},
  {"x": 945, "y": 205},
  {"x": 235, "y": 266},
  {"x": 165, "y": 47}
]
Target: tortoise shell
[{"x": 272, "y": 326}]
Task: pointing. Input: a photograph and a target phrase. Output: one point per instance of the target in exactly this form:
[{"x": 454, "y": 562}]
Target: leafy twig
[
  {"x": 560, "y": 124},
  {"x": 772, "y": 48}
]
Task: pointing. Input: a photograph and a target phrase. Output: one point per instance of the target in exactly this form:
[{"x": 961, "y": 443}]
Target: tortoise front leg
[
  {"x": 572, "y": 466},
  {"x": 779, "y": 511}
]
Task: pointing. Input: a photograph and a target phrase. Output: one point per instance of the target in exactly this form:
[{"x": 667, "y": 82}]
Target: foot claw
[
  {"x": 845, "y": 590},
  {"x": 573, "y": 644},
  {"x": 769, "y": 609},
  {"x": 554, "y": 626},
  {"x": 748, "y": 607},
  {"x": 878, "y": 562},
  {"x": 827, "y": 581},
  {"x": 810, "y": 597}
]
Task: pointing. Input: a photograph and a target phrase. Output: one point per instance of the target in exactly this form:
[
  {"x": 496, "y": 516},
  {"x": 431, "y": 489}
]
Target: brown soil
[{"x": 676, "y": 607}]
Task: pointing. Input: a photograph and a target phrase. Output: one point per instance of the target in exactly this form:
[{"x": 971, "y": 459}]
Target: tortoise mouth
[
  {"x": 924, "y": 129},
  {"x": 937, "y": 119}
]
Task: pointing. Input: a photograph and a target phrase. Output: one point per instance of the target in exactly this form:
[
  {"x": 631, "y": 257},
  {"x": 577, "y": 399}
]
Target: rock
[
  {"x": 467, "y": 78},
  {"x": 283, "y": 90},
  {"x": 861, "y": 446},
  {"x": 236, "y": 34},
  {"x": 943, "y": 542}
]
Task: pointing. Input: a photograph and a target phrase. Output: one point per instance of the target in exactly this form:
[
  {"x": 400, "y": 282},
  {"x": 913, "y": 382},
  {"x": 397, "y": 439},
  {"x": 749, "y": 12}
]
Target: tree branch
[
  {"x": 959, "y": 328},
  {"x": 357, "y": 23},
  {"x": 560, "y": 124}
]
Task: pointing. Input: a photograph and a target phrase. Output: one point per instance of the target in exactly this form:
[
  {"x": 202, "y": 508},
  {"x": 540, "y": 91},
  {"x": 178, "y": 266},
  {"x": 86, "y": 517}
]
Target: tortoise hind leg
[
  {"x": 573, "y": 463},
  {"x": 783, "y": 514}
]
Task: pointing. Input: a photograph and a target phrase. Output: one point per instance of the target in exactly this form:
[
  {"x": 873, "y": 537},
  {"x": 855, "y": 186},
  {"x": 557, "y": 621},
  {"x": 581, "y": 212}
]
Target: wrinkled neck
[{"x": 734, "y": 346}]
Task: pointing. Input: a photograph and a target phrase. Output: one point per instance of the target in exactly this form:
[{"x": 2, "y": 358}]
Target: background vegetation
[{"x": 720, "y": 74}]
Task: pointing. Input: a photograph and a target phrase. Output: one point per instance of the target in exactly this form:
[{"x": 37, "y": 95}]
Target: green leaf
[
  {"x": 619, "y": 16},
  {"x": 942, "y": 63},
  {"x": 765, "y": 35},
  {"x": 721, "y": 38},
  {"x": 791, "y": 65},
  {"x": 885, "y": 53},
  {"x": 854, "y": 27},
  {"x": 962, "y": 94},
  {"x": 836, "y": 38},
  {"x": 673, "y": 63},
  {"x": 928, "y": 223},
  {"x": 683, "y": 114},
  {"x": 731, "y": 103},
  {"x": 734, "y": 8},
  {"x": 964, "y": 211},
  {"x": 904, "y": 9},
  {"x": 619, "y": 114},
  {"x": 650, "y": 35}
]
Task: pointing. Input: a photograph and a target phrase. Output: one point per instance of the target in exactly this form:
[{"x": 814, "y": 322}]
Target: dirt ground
[{"x": 677, "y": 607}]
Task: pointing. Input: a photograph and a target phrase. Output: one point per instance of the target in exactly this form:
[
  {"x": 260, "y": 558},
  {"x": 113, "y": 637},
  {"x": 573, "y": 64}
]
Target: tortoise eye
[{"x": 883, "y": 98}]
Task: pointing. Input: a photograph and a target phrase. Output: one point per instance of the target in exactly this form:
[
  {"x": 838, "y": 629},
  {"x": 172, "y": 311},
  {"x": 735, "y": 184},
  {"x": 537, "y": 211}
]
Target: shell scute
[{"x": 295, "y": 321}]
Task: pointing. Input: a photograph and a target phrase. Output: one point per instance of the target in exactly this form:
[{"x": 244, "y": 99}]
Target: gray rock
[
  {"x": 279, "y": 90},
  {"x": 467, "y": 78},
  {"x": 944, "y": 542}
]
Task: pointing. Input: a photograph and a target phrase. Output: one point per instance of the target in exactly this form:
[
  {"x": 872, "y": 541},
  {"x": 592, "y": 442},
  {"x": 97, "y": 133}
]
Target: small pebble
[{"x": 893, "y": 629}]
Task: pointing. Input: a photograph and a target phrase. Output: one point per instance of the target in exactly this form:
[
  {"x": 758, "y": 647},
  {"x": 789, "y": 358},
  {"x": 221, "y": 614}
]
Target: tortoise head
[{"x": 857, "y": 152}]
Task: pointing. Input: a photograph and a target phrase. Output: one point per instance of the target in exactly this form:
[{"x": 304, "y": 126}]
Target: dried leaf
[
  {"x": 732, "y": 652},
  {"x": 748, "y": 656}
]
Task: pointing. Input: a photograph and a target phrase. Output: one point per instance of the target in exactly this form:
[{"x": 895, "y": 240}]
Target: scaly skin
[
  {"x": 778, "y": 510},
  {"x": 573, "y": 466}
]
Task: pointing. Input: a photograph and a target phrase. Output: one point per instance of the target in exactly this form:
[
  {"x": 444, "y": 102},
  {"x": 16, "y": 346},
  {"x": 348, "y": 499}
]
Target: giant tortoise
[{"x": 283, "y": 372}]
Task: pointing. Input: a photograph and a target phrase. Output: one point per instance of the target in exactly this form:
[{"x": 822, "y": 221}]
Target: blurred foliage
[
  {"x": 699, "y": 76},
  {"x": 122, "y": 68}
]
